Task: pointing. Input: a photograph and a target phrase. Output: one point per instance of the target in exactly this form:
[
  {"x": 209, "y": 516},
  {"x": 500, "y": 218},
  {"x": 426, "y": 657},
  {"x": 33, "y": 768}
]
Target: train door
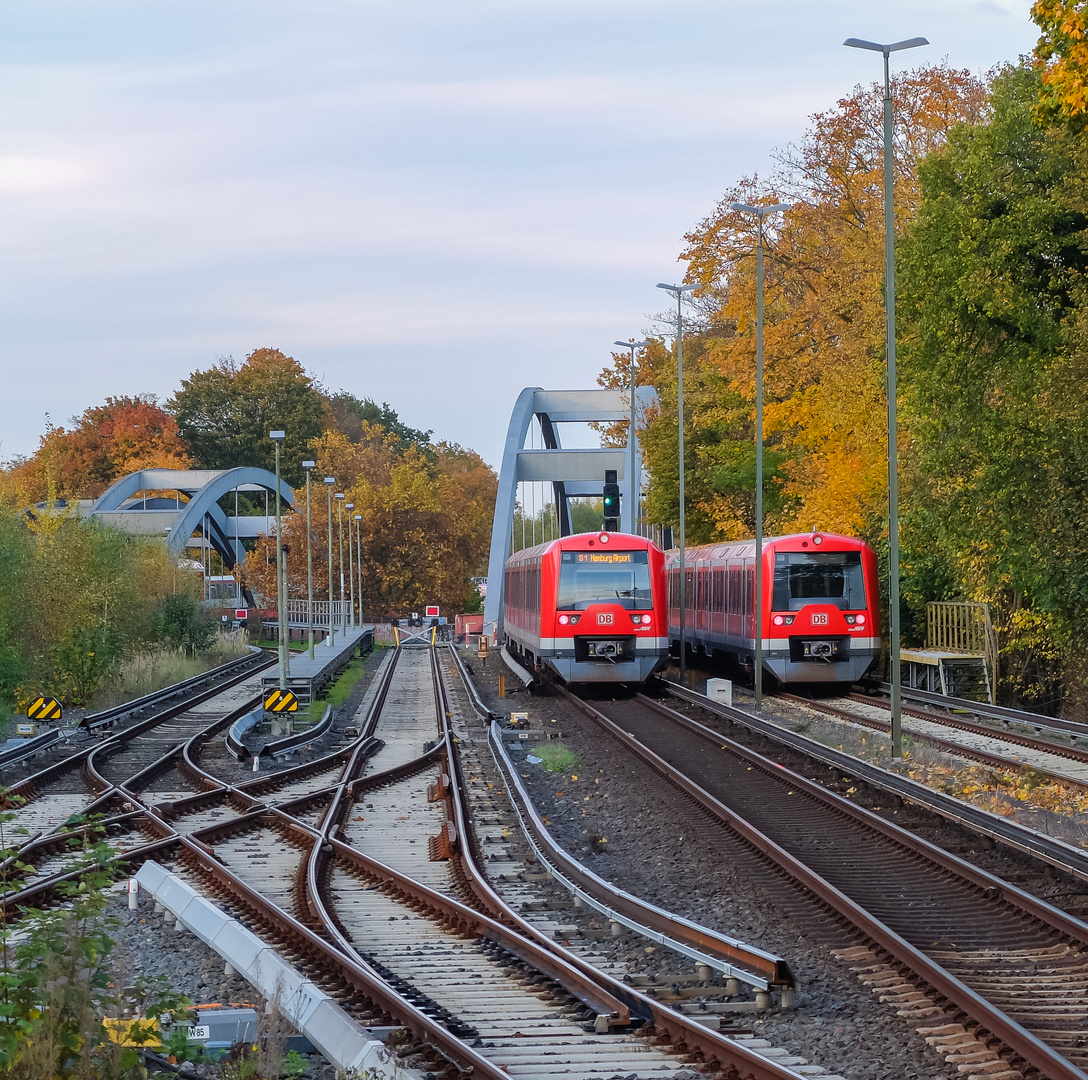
[
  {"x": 717, "y": 601},
  {"x": 749, "y": 599},
  {"x": 733, "y": 620},
  {"x": 703, "y": 600}
]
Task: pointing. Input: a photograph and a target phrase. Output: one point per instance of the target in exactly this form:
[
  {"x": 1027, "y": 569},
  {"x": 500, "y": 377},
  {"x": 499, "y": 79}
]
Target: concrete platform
[{"x": 306, "y": 678}]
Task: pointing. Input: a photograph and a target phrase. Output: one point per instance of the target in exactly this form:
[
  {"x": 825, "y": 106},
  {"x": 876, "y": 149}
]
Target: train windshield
[
  {"x": 829, "y": 577},
  {"x": 604, "y": 577}
]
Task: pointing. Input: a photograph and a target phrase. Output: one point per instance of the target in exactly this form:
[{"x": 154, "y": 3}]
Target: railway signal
[
  {"x": 44, "y": 708},
  {"x": 611, "y": 501}
]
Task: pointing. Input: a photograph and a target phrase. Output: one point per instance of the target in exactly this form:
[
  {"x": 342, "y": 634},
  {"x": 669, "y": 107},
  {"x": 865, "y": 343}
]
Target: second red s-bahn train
[
  {"x": 821, "y": 613},
  {"x": 590, "y": 607}
]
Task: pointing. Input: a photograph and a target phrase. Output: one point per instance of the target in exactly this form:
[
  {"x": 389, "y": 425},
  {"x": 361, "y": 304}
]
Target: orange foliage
[
  {"x": 824, "y": 313},
  {"x": 105, "y": 443}
]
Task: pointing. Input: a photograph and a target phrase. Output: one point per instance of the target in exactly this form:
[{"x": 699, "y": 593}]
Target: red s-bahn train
[
  {"x": 821, "y": 613},
  {"x": 589, "y": 607}
]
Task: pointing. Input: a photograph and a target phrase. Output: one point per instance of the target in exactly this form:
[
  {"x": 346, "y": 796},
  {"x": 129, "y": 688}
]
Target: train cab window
[
  {"x": 612, "y": 577},
  {"x": 829, "y": 577}
]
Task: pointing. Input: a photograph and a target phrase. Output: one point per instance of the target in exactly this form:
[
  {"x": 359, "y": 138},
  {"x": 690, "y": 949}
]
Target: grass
[
  {"x": 556, "y": 758},
  {"x": 341, "y": 690},
  {"x": 147, "y": 672}
]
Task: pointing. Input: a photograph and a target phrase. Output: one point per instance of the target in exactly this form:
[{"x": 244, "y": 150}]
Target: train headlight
[
  {"x": 564, "y": 619},
  {"x": 603, "y": 538},
  {"x": 574, "y": 620},
  {"x": 817, "y": 539},
  {"x": 789, "y": 619},
  {"x": 850, "y": 620},
  {"x": 778, "y": 620}
]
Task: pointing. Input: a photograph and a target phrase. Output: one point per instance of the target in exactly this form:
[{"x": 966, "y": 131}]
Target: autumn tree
[
  {"x": 824, "y": 325},
  {"x": 425, "y": 519},
  {"x": 106, "y": 442},
  {"x": 227, "y": 411},
  {"x": 355, "y": 417},
  {"x": 1061, "y": 56}
]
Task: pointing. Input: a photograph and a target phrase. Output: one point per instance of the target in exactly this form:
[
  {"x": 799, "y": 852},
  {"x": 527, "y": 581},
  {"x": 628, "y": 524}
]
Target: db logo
[
  {"x": 819, "y": 618},
  {"x": 605, "y": 618}
]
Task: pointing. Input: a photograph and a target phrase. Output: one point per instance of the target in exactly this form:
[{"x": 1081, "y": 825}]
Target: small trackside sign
[
  {"x": 44, "y": 708},
  {"x": 280, "y": 701}
]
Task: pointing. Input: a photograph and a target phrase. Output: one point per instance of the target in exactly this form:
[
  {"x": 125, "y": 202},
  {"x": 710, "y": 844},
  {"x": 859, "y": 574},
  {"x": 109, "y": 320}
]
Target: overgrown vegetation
[
  {"x": 991, "y": 190},
  {"x": 80, "y": 599}
]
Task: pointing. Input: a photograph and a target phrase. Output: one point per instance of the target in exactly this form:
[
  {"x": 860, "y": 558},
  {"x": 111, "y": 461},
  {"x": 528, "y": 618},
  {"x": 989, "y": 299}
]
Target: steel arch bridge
[
  {"x": 136, "y": 504},
  {"x": 573, "y": 473}
]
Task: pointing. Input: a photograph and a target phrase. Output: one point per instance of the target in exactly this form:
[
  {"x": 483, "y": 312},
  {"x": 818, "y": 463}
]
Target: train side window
[
  {"x": 689, "y": 589},
  {"x": 719, "y": 590},
  {"x": 750, "y": 589},
  {"x": 734, "y": 590}
]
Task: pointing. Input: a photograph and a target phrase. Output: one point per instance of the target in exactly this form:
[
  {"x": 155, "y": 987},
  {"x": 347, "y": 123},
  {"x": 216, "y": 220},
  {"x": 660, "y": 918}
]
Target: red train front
[
  {"x": 820, "y": 605},
  {"x": 590, "y": 607}
]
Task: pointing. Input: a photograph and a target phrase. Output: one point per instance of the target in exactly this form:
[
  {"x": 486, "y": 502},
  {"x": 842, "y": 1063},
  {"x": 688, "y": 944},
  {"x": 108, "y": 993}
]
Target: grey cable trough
[{"x": 342, "y": 1040}]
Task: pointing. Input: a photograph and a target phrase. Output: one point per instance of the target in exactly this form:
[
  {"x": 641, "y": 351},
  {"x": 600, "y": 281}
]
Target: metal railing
[{"x": 961, "y": 626}]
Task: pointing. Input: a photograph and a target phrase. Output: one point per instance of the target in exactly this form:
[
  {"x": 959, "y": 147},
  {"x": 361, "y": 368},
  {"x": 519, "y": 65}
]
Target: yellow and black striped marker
[
  {"x": 44, "y": 708},
  {"x": 281, "y": 701}
]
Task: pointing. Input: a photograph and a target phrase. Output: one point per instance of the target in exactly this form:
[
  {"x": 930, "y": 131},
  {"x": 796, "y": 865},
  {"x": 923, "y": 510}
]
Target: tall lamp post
[
  {"x": 359, "y": 560},
  {"x": 760, "y": 213},
  {"x": 678, "y": 291},
  {"x": 331, "y": 639},
  {"x": 309, "y": 466},
  {"x": 889, "y": 312},
  {"x": 339, "y": 496},
  {"x": 277, "y": 437},
  {"x": 632, "y": 458},
  {"x": 351, "y": 564}
]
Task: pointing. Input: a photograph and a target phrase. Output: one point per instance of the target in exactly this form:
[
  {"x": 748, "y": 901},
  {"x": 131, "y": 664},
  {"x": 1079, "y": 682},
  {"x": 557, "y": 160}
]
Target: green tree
[
  {"x": 995, "y": 376},
  {"x": 355, "y": 417},
  {"x": 226, "y": 413}
]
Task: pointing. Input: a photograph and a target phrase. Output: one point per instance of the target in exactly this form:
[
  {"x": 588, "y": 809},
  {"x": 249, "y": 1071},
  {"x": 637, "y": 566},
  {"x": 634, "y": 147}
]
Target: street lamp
[
  {"x": 760, "y": 212},
  {"x": 889, "y": 312},
  {"x": 340, "y": 533},
  {"x": 277, "y": 437},
  {"x": 678, "y": 291},
  {"x": 309, "y": 466},
  {"x": 359, "y": 560},
  {"x": 331, "y": 639},
  {"x": 351, "y": 565},
  {"x": 632, "y": 457}
]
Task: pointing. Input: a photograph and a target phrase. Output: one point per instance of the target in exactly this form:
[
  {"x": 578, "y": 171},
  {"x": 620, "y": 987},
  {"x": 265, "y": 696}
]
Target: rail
[
  {"x": 29, "y": 748},
  {"x": 110, "y": 716},
  {"x": 1012, "y": 1034},
  {"x": 759, "y": 969},
  {"x": 280, "y": 747}
]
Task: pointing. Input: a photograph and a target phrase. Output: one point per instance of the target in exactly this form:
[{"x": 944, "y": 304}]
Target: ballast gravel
[{"x": 636, "y": 831}]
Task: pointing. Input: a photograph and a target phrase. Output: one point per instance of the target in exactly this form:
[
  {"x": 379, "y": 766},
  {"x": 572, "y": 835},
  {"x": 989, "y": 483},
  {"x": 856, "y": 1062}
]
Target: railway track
[
  {"x": 966, "y": 953},
  {"x": 950, "y": 734},
  {"x": 417, "y": 938}
]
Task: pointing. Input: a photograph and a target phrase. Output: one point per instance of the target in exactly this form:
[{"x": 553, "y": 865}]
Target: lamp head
[
  {"x": 277, "y": 436},
  {"x": 761, "y": 211},
  {"x": 631, "y": 344},
  {"x": 358, "y": 517},
  {"x": 678, "y": 289},
  {"x": 308, "y": 465},
  {"x": 349, "y": 506},
  {"x": 896, "y": 46},
  {"x": 330, "y": 480},
  {"x": 339, "y": 495}
]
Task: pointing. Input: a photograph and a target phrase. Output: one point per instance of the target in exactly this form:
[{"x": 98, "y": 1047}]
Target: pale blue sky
[{"x": 429, "y": 203}]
